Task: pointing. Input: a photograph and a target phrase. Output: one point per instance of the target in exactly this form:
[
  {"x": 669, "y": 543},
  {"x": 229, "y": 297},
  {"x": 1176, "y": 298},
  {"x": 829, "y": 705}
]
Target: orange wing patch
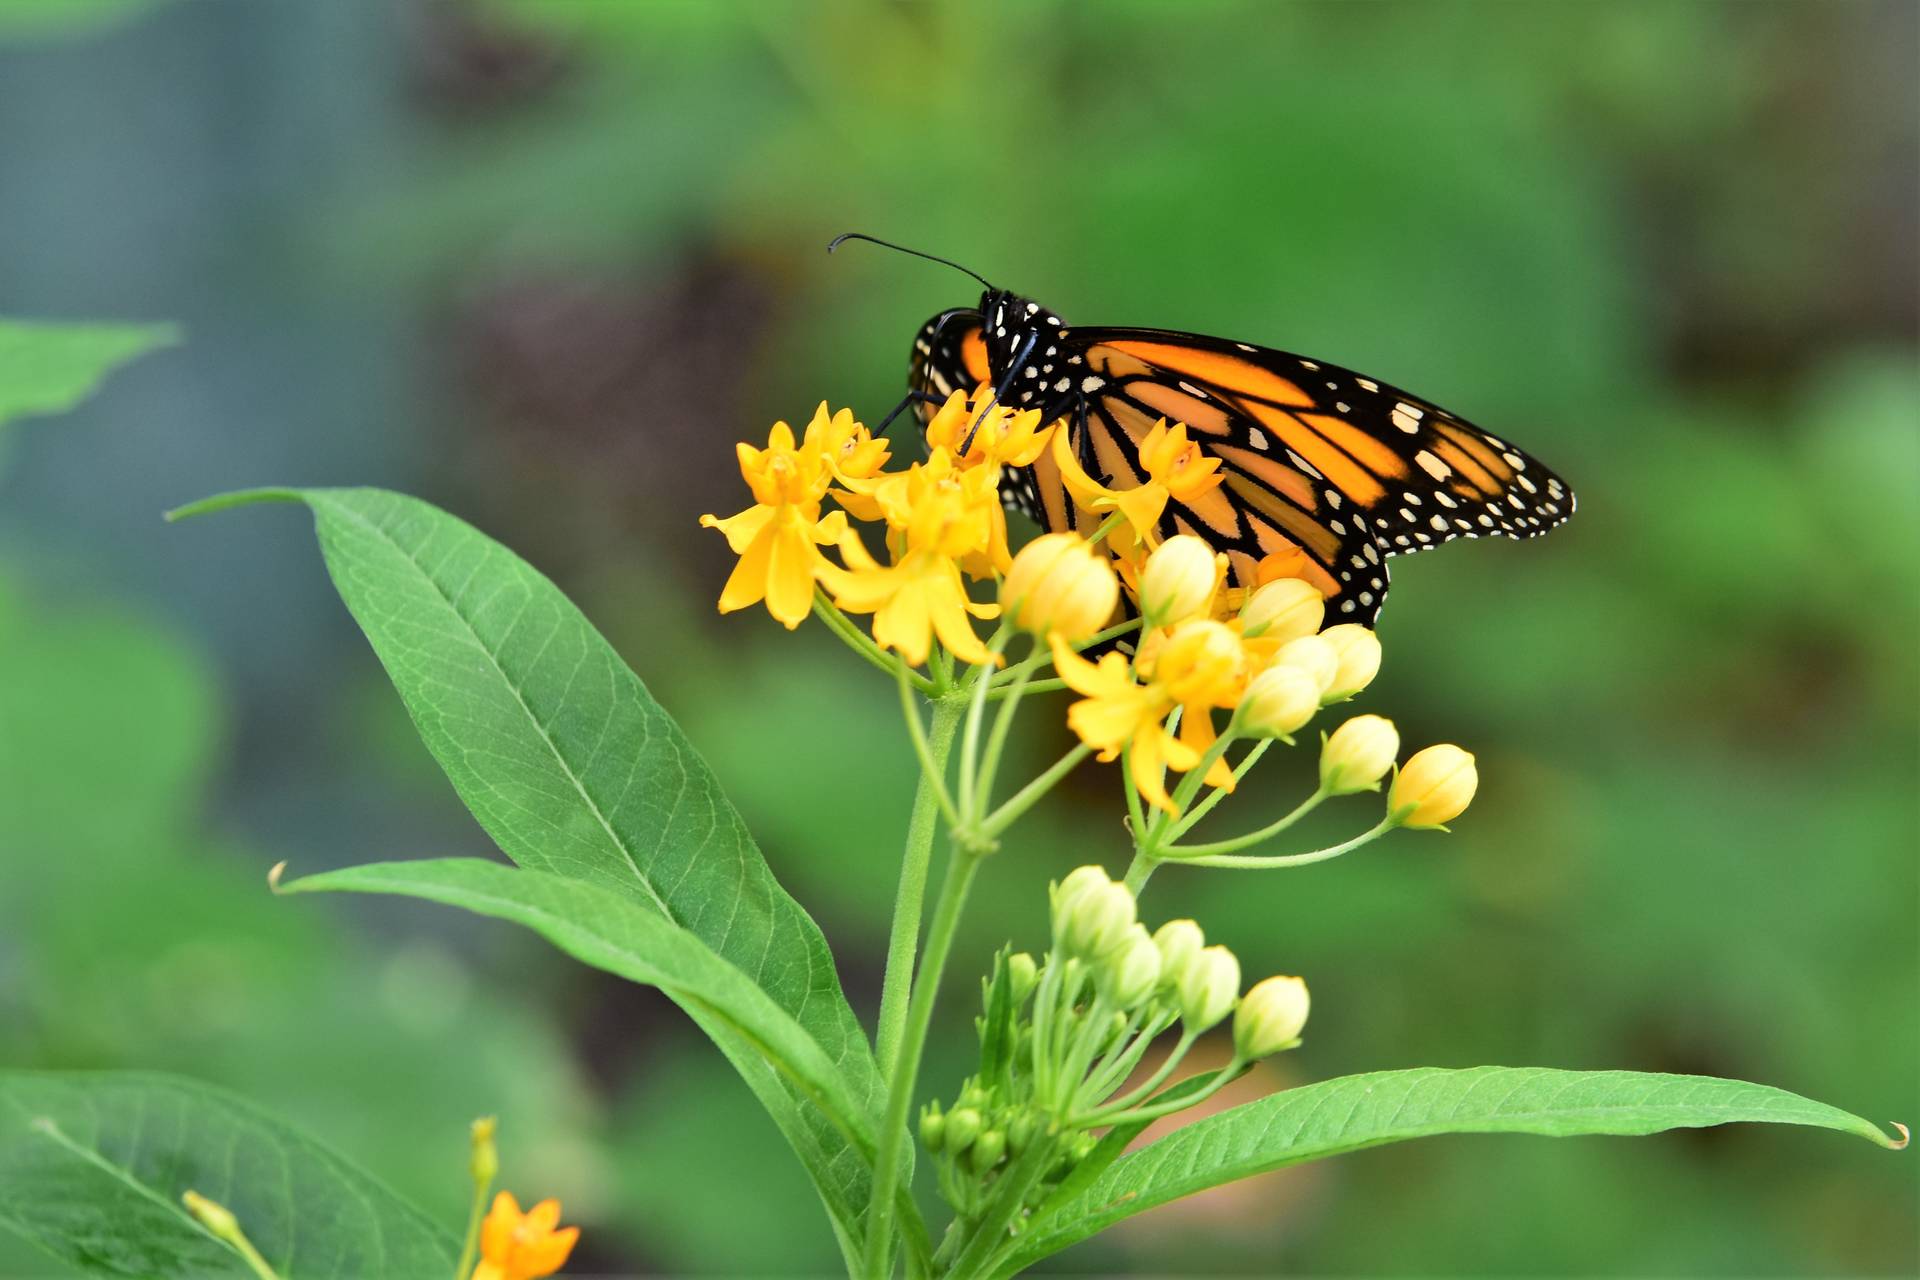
[{"x": 1242, "y": 377}]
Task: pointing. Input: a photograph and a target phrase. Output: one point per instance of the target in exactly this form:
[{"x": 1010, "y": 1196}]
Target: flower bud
[
  {"x": 1179, "y": 580},
  {"x": 963, "y": 1126},
  {"x": 1434, "y": 787},
  {"x": 1130, "y": 971},
  {"x": 1021, "y": 1131},
  {"x": 933, "y": 1127},
  {"x": 1179, "y": 942},
  {"x": 484, "y": 1163},
  {"x": 1283, "y": 609},
  {"x": 1270, "y": 1018},
  {"x": 987, "y": 1150},
  {"x": 1022, "y": 973},
  {"x": 1079, "y": 881},
  {"x": 1097, "y": 921},
  {"x": 1208, "y": 988},
  {"x": 1359, "y": 652},
  {"x": 1278, "y": 701},
  {"x": 1313, "y": 655},
  {"x": 1200, "y": 662},
  {"x": 1357, "y": 755},
  {"x": 1058, "y": 582}
]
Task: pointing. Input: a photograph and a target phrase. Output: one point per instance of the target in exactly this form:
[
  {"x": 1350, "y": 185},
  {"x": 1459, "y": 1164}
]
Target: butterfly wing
[{"x": 1347, "y": 469}]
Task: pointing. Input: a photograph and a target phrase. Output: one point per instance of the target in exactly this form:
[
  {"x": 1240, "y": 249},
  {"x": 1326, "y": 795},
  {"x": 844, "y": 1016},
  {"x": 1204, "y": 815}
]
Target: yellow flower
[
  {"x": 918, "y": 597},
  {"x": 993, "y": 434},
  {"x": 1434, "y": 787},
  {"x": 1279, "y": 700},
  {"x": 1283, "y": 610},
  {"x": 847, "y": 447},
  {"x": 1059, "y": 583},
  {"x": 1117, "y": 712},
  {"x": 778, "y": 539},
  {"x": 1357, "y": 755},
  {"x": 1203, "y": 666},
  {"x": 1358, "y": 649},
  {"x": 1176, "y": 467},
  {"x": 522, "y": 1246}
]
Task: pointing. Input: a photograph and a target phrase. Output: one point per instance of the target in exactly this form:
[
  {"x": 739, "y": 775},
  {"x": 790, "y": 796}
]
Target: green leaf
[
  {"x": 573, "y": 768},
  {"x": 50, "y": 368},
  {"x": 93, "y": 1164},
  {"x": 1355, "y": 1112},
  {"x": 612, "y": 932}
]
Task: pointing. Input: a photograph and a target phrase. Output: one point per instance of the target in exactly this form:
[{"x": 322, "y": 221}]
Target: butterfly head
[{"x": 1023, "y": 341}]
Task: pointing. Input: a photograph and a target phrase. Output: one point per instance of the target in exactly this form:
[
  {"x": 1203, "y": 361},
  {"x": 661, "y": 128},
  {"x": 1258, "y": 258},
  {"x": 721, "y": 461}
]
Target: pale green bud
[
  {"x": 987, "y": 1150},
  {"x": 933, "y": 1127},
  {"x": 1359, "y": 651},
  {"x": 963, "y": 1126},
  {"x": 1357, "y": 755},
  {"x": 1179, "y": 942},
  {"x": 1098, "y": 920},
  {"x": 1129, "y": 972},
  {"x": 1208, "y": 988},
  {"x": 1270, "y": 1018},
  {"x": 1022, "y": 973},
  {"x": 1021, "y": 1131},
  {"x": 1079, "y": 881}
]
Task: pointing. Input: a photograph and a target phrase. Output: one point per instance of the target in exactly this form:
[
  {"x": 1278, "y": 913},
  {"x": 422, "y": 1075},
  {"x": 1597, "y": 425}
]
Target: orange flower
[
  {"x": 1176, "y": 467},
  {"x": 1118, "y": 712},
  {"x": 522, "y": 1246},
  {"x": 778, "y": 538},
  {"x": 994, "y": 434}
]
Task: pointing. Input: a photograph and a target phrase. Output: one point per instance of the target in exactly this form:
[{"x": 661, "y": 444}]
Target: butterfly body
[{"x": 1326, "y": 469}]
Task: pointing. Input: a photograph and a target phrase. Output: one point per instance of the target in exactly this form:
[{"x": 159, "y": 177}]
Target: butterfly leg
[
  {"x": 912, "y": 397},
  {"x": 999, "y": 392}
]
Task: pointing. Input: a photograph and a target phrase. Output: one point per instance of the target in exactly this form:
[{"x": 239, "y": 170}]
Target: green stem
[
  {"x": 904, "y": 938},
  {"x": 961, "y": 866},
  {"x": 1029, "y": 795},
  {"x": 1290, "y": 860},
  {"x": 471, "y": 1247},
  {"x": 1247, "y": 841},
  {"x": 1227, "y": 1075},
  {"x": 1215, "y": 796},
  {"x": 1159, "y": 1078},
  {"x": 858, "y": 640},
  {"x": 1015, "y": 1182},
  {"x": 972, "y": 804},
  {"x": 1003, "y": 722},
  {"x": 1138, "y": 872},
  {"x": 931, "y": 772}
]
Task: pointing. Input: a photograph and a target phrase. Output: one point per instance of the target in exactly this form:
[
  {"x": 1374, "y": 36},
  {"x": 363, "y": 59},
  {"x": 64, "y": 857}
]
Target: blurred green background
[{"x": 543, "y": 262}]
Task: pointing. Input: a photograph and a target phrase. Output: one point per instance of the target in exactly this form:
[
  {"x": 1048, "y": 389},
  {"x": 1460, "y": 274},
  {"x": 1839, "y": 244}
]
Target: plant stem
[
  {"x": 1238, "y": 843},
  {"x": 859, "y": 641},
  {"x": 931, "y": 772},
  {"x": 1290, "y": 860},
  {"x": 961, "y": 866},
  {"x": 904, "y": 938},
  {"x": 1029, "y": 795}
]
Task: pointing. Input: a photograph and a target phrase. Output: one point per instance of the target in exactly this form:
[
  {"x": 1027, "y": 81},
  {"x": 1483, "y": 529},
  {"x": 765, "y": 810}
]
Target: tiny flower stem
[
  {"x": 1145, "y": 1091},
  {"x": 1237, "y": 843},
  {"x": 930, "y": 770},
  {"x": 1289, "y": 860},
  {"x": 972, "y": 802},
  {"x": 904, "y": 936},
  {"x": 1029, "y": 795},
  {"x": 483, "y": 1165},
  {"x": 1226, "y": 1076},
  {"x": 1214, "y": 797},
  {"x": 1003, "y": 722},
  {"x": 1136, "y": 815},
  {"x": 859, "y": 641},
  {"x": 961, "y": 866},
  {"x": 1011, "y": 1188}
]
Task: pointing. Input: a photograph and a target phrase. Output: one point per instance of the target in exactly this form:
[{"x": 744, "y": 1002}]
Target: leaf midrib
[{"x": 566, "y": 768}]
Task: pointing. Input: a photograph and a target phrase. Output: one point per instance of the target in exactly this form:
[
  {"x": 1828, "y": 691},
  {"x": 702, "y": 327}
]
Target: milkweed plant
[{"x": 627, "y": 856}]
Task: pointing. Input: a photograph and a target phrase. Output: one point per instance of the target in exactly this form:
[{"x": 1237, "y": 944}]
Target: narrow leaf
[
  {"x": 93, "y": 1164},
  {"x": 49, "y": 368},
  {"x": 1355, "y": 1112},
  {"x": 572, "y": 767},
  {"x": 610, "y": 931}
]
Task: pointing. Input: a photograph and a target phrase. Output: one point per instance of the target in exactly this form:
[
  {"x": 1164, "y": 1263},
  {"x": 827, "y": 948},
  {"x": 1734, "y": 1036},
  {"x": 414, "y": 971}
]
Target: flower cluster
[
  {"x": 1064, "y": 1043},
  {"x": 943, "y": 520}
]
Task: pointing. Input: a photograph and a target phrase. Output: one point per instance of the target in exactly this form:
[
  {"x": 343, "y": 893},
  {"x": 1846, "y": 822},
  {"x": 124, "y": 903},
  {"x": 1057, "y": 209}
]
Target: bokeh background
[{"x": 543, "y": 262}]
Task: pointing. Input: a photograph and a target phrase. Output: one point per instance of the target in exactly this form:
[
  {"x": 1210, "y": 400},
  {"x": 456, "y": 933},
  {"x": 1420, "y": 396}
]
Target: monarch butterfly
[{"x": 1335, "y": 471}]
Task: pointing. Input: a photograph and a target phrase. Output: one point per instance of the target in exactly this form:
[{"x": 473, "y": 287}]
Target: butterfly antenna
[{"x": 900, "y": 248}]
